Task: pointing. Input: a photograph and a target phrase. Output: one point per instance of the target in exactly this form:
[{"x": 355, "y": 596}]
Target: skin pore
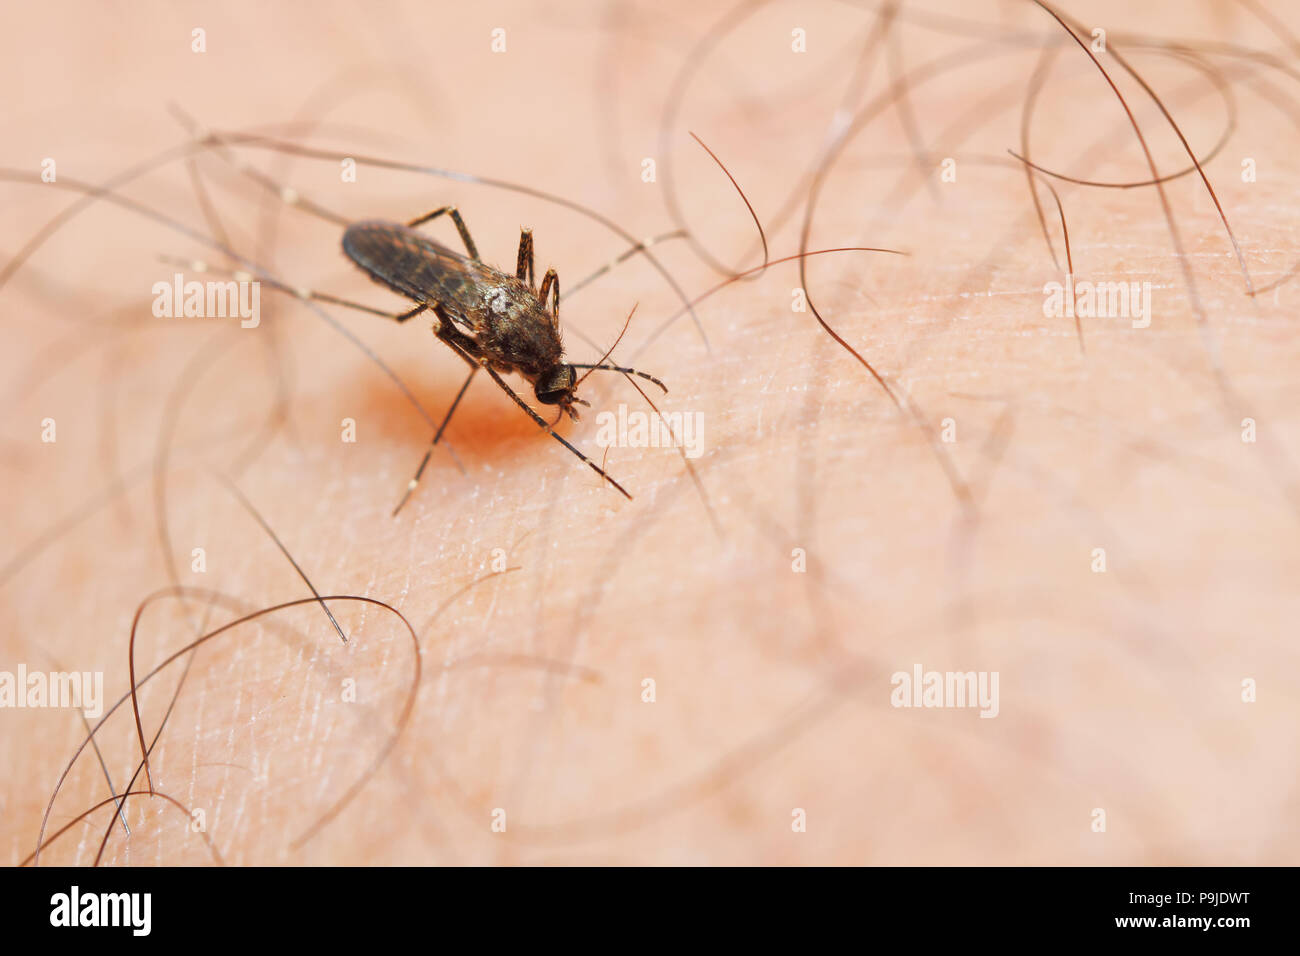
[{"x": 1081, "y": 509}]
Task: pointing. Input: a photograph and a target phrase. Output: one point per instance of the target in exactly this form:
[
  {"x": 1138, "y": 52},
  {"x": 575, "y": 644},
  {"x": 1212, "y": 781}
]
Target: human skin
[{"x": 830, "y": 537}]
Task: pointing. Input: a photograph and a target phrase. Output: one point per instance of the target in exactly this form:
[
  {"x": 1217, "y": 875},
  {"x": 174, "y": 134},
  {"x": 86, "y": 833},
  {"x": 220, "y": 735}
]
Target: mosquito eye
[{"x": 555, "y": 387}]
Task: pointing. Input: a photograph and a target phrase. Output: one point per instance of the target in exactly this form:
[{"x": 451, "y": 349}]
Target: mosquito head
[{"x": 556, "y": 386}]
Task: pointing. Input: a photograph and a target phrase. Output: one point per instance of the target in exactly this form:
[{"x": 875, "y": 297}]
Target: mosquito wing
[{"x": 424, "y": 270}]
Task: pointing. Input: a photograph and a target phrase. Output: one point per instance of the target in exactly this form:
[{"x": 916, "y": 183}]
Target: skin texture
[{"x": 541, "y": 600}]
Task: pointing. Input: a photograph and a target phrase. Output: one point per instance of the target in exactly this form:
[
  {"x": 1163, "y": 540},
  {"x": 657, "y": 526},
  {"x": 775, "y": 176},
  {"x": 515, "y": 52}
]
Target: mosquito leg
[
  {"x": 447, "y": 334},
  {"x": 460, "y": 227},
  {"x": 641, "y": 246},
  {"x": 524, "y": 262},
  {"x": 287, "y": 194},
  {"x": 196, "y": 265},
  {"x": 416, "y": 311},
  {"x": 551, "y": 286},
  {"x": 396, "y": 317},
  {"x": 542, "y": 423},
  {"x": 410, "y": 487}
]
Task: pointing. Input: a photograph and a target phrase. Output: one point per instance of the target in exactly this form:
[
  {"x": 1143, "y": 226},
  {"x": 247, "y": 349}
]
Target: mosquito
[{"x": 495, "y": 321}]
